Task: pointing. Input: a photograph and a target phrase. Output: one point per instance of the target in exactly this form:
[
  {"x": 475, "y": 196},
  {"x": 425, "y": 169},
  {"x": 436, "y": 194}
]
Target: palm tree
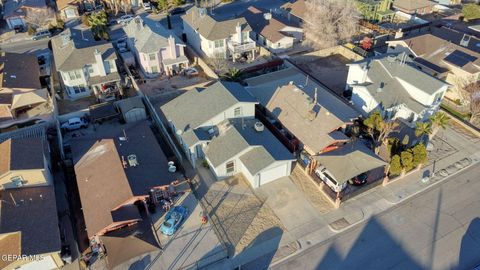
[
  {"x": 233, "y": 75},
  {"x": 439, "y": 121},
  {"x": 423, "y": 129}
]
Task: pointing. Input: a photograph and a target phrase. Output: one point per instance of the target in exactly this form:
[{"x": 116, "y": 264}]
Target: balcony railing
[{"x": 235, "y": 47}]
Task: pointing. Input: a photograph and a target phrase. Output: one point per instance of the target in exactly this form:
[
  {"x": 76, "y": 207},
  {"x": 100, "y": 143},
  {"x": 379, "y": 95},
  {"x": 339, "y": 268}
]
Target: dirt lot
[
  {"x": 240, "y": 217},
  {"x": 160, "y": 85},
  {"x": 331, "y": 71},
  {"x": 311, "y": 191}
]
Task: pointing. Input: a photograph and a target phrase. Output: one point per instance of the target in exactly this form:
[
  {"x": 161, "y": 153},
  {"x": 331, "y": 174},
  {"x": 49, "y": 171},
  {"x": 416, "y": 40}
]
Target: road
[
  {"x": 29, "y": 46},
  {"x": 438, "y": 229}
]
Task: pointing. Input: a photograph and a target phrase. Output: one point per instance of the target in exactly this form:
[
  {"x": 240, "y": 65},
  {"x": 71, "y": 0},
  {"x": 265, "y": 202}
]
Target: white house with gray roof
[
  {"x": 391, "y": 84},
  {"x": 216, "y": 124},
  {"x": 85, "y": 65},
  {"x": 229, "y": 39},
  {"x": 157, "y": 50}
]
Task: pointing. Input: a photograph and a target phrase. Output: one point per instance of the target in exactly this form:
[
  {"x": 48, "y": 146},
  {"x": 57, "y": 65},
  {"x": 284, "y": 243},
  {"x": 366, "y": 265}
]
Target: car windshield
[{"x": 167, "y": 224}]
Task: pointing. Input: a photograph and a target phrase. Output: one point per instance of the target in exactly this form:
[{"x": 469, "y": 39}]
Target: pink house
[{"x": 157, "y": 50}]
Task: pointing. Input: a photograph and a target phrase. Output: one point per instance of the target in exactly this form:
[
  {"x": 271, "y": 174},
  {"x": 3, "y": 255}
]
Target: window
[
  {"x": 74, "y": 74},
  {"x": 230, "y": 166},
  {"x": 219, "y": 43},
  {"x": 152, "y": 56},
  {"x": 237, "y": 112},
  {"x": 244, "y": 37},
  {"x": 154, "y": 69},
  {"x": 79, "y": 89}
]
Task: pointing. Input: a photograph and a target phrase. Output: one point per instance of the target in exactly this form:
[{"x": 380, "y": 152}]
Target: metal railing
[{"x": 239, "y": 48}]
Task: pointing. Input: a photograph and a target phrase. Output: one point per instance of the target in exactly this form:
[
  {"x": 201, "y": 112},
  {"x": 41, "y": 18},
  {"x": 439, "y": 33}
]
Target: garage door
[
  {"x": 273, "y": 174},
  {"x": 70, "y": 13},
  {"x": 15, "y": 21},
  {"x": 136, "y": 114}
]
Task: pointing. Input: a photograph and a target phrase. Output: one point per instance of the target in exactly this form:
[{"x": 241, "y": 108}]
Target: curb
[{"x": 349, "y": 226}]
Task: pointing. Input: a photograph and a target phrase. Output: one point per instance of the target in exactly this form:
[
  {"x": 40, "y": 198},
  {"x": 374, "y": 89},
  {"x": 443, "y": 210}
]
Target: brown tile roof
[
  {"x": 271, "y": 29},
  {"x": 10, "y": 244},
  {"x": 297, "y": 8},
  {"x": 33, "y": 212},
  {"x": 21, "y": 154},
  {"x": 19, "y": 71}
]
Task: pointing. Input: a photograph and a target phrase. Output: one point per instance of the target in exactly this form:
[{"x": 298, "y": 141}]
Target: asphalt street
[
  {"x": 438, "y": 229},
  {"x": 28, "y": 46}
]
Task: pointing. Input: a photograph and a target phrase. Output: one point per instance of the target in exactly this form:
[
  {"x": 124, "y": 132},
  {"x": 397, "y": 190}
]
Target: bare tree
[
  {"x": 469, "y": 89},
  {"x": 39, "y": 17},
  {"x": 125, "y": 5},
  {"x": 219, "y": 64},
  {"x": 330, "y": 22}
]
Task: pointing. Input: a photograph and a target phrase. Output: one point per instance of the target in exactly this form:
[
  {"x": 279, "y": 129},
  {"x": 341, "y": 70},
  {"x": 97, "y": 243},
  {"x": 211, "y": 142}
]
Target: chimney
[
  {"x": 238, "y": 30},
  {"x": 172, "y": 47},
  {"x": 99, "y": 61}
]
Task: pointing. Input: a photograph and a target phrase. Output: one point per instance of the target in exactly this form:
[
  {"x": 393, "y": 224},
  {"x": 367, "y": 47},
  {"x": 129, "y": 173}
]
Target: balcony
[{"x": 235, "y": 47}]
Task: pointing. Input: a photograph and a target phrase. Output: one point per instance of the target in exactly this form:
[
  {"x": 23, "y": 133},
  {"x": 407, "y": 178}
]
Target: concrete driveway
[{"x": 291, "y": 207}]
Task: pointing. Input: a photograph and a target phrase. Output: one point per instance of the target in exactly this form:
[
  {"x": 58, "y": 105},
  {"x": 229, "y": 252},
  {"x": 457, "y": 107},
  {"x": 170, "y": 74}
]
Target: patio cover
[
  {"x": 29, "y": 98},
  {"x": 129, "y": 242},
  {"x": 349, "y": 161}
]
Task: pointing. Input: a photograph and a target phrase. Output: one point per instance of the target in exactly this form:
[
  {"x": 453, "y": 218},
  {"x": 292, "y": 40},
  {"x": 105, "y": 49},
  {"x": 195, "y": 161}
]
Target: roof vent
[
  {"x": 267, "y": 16},
  {"x": 259, "y": 127},
  {"x": 132, "y": 160},
  {"x": 380, "y": 87},
  {"x": 17, "y": 181},
  {"x": 202, "y": 12}
]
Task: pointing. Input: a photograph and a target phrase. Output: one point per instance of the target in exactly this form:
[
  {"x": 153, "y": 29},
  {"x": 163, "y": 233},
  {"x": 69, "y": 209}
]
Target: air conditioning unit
[{"x": 259, "y": 127}]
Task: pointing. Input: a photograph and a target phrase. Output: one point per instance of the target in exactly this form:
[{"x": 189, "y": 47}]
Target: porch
[
  {"x": 175, "y": 66},
  {"x": 242, "y": 52},
  {"x": 106, "y": 88}
]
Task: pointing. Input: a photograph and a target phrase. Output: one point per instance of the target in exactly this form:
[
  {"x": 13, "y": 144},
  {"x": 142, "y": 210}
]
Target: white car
[
  {"x": 74, "y": 123},
  {"x": 125, "y": 19},
  {"x": 323, "y": 174},
  {"x": 147, "y": 6},
  {"x": 191, "y": 71}
]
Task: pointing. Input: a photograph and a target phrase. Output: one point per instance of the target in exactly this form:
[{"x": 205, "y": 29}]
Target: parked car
[
  {"x": 359, "y": 180},
  {"x": 190, "y": 71},
  {"x": 125, "y": 19},
  {"x": 173, "y": 219},
  {"x": 41, "y": 34},
  {"x": 323, "y": 174},
  {"x": 147, "y": 6},
  {"x": 74, "y": 123},
  {"x": 177, "y": 10}
]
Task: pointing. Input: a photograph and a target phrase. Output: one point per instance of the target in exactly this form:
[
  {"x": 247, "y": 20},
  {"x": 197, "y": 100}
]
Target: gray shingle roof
[
  {"x": 19, "y": 71},
  {"x": 211, "y": 29},
  {"x": 197, "y": 106},
  {"x": 73, "y": 49},
  {"x": 349, "y": 161},
  {"x": 11, "y": 6},
  {"x": 149, "y": 35},
  {"x": 240, "y": 137}
]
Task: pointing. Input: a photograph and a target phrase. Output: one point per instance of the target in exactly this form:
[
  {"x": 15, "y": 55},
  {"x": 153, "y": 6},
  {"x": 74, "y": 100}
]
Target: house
[
  {"x": 24, "y": 162},
  {"x": 29, "y": 228},
  {"x": 217, "y": 124},
  {"x": 396, "y": 87},
  {"x": 376, "y": 10},
  {"x": 156, "y": 50},
  {"x": 86, "y": 66},
  {"x": 115, "y": 169},
  {"x": 22, "y": 97},
  {"x": 272, "y": 31},
  {"x": 244, "y": 146},
  {"x": 303, "y": 114},
  {"x": 296, "y": 11},
  {"x": 228, "y": 39},
  {"x": 15, "y": 11},
  {"x": 418, "y": 7},
  {"x": 68, "y": 9},
  {"x": 445, "y": 53}
]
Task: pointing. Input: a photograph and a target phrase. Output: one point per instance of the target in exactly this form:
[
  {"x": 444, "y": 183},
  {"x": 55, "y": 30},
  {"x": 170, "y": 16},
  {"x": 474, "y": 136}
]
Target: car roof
[{"x": 74, "y": 119}]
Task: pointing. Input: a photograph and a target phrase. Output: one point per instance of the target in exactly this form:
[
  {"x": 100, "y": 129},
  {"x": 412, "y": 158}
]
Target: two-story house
[
  {"x": 445, "y": 53},
  {"x": 218, "y": 125},
  {"x": 396, "y": 87},
  {"x": 229, "y": 39},
  {"x": 28, "y": 213},
  {"x": 271, "y": 30},
  {"x": 85, "y": 65},
  {"x": 157, "y": 50}
]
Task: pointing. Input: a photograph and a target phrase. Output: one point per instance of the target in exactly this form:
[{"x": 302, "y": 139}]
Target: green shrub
[
  {"x": 395, "y": 166},
  {"x": 407, "y": 160},
  {"x": 419, "y": 154}
]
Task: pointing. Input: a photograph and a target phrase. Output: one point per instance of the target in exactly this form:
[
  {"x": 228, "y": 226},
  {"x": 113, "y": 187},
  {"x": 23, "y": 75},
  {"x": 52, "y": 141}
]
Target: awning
[
  {"x": 178, "y": 60},
  {"x": 349, "y": 161},
  {"x": 29, "y": 98}
]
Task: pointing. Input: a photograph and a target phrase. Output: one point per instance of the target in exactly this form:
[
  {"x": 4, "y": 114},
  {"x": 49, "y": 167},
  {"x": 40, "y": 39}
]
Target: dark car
[
  {"x": 359, "y": 180},
  {"x": 177, "y": 10}
]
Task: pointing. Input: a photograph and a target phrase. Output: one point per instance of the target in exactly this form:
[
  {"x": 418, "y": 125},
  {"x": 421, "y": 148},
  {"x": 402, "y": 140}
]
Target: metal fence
[{"x": 35, "y": 131}]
